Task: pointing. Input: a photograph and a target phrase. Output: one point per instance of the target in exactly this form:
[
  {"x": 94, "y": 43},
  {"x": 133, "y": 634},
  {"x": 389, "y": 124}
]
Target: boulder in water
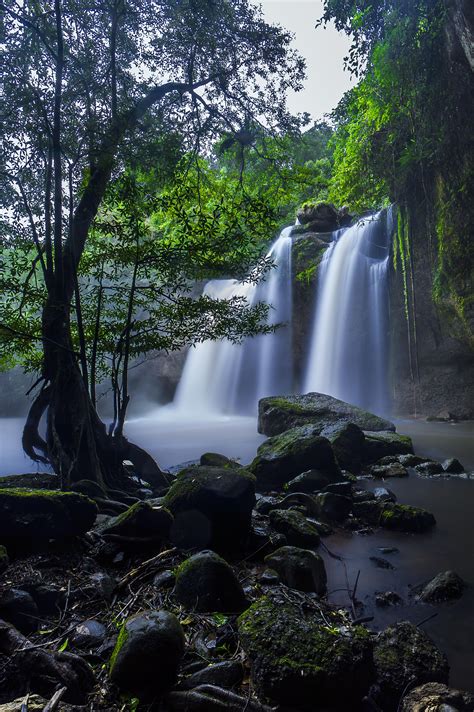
[
  {"x": 214, "y": 459},
  {"x": 280, "y": 458},
  {"x": 429, "y": 468},
  {"x": 32, "y": 515},
  {"x": 395, "y": 469},
  {"x": 453, "y": 466},
  {"x": 404, "y": 518},
  {"x": 296, "y": 658},
  {"x": 435, "y": 697},
  {"x": 405, "y": 656},
  {"x": 206, "y": 583},
  {"x": 212, "y": 508},
  {"x": 311, "y": 481},
  {"x": 147, "y": 654},
  {"x": 277, "y": 414},
  {"x": 348, "y": 444},
  {"x": 383, "y": 443},
  {"x": 296, "y": 528},
  {"x": 299, "y": 568},
  {"x": 334, "y": 507},
  {"x": 446, "y": 586}
]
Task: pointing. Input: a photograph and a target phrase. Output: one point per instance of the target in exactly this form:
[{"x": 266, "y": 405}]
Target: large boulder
[
  {"x": 147, "y": 654},
  {"x": 435, "y": 697},
  {"x": 295, "y": 527},
  {"x": 19, "y": 608},
  {"x": 277, "y": 414},
  {"x": 297, "y": 658},
  {"x": 404, "y": 518},
  {"x": 299, "y": 568},
  {"x": 404, "y": 656},
  {"x": 309, "y": 482},
  {"x": 32, "y": 515},
  {"x": 334, "y": 507},
  {"x": 212, "y": 508},
  {"x": 280, "y": 458},
  {"x": 446, "y": 586},
  {"x": 348, "y": 444},
  {"x": 207, "y": 583},
  {"x": 383, "y": 443}
]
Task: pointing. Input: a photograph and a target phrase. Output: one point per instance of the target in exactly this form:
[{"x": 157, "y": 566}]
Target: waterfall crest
[
  {"x": 224, "y": 378},
  {"x": 347, "y": 355}
]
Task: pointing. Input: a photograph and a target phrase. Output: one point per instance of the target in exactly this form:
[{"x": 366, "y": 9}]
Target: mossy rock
[
  {"x": 299, "y": 657},
  {"x": 383, "y": 443},
  {"x": 404, "y": 518},
  {"x": 212, "y": 508},
  {"x": 280, "y": 458},
  {"x": 296, "y": 528},
  {"x": 309, "y": 482},
  {"x": 142, "y": 521},
  {"x": 298, "y": 568},
  {"x": 214, "y": 459},
  {"x": 333, "y": 507},
  {"x": 404, "y": 656},
  {"x": 147, "y": 654},
  {"x": 348, "y": 444},
  {"x": 206, "y": 583},
  {"x": 30, "y": 514},
  {"x": 277, "y": 414},
  {"x": 445, "y": 586}
]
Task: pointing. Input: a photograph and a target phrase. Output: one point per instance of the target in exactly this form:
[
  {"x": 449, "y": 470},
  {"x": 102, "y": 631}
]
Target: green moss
[{"x": 121, "y": 640}]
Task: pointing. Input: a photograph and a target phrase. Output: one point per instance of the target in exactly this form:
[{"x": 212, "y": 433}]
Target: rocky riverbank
[{"x": 211, "y": 593}]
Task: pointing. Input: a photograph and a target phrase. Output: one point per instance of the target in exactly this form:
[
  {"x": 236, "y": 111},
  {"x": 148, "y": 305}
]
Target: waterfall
[
  {"x": 348, "y": 345},
  {"x": 224, "y": 378}
]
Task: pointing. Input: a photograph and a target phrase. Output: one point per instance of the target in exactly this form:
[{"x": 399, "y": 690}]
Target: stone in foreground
[
  {"x": 296, "y": 528},
  {"x": 299, "y": 568},
  {"x": 405, "y": 656},
  {"x": 283, "y": 457},
  {"x": 277, "y": 414},
  {"x": 435, "y": 697},
  {"x": 206, "y": 583},
  {"x": 33, "y": 515},
  {"x": 147, "y": 654},
  {"x": 296, "y": 658},
  {"x": 212, "y": 508}
]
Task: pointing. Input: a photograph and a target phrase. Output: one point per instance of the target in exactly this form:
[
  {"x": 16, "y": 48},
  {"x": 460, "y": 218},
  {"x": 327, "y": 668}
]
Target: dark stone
[
  {"x": 296, "y": 659},
  {"x": 453, "y": 466},
  {"x": 296, "y": 528},
  {"x": 103, "y": 585},
  {"x": 384, "y": 495},
  {"x": 18, "y": 608},
  {"x": 342, "y": 488},
  {"x": 384, "y": 443},
  {"x": 310, "y": 481},
  {"x": 446, "y": 586},
  {"x": 277, "y": 414},
  {"x": 435, "y": 697},
  {"x": 348, "y": 444},
  {"x": 334, "y": 507},
  {"x": 206, "y": 583},
  {"x": 404, "y": 518},
  {"x": 147, "y": 654},
  {"x": 369, "y": 511},
  {"x": 429, "y": 468},
  {"x": 212, "y": 508},
  {"x": 4, "y": 560},
  {"x": 381, "y": 563},
  {"x": 299, "y": 568},
  {"x": 48, "y": 598},
  {"x": 34, "y": 515},
  {"x": 226, "y": 674},
  {"x": 214, "y": 459},
  {"x": 411, "y": 460},
  {"x": 388, "y": 598},
  {"x": 281, "y": 458},
  {"x": 164, "y": 579},
  {"x": 405, "y": 656},
  {"x": 363, "y": 496},
  {"x": 89, "y": 634},
  {"x": 140, "y": 521},
  {"x": 385, "y": 471},
  {"x": 266, "y": 504}
]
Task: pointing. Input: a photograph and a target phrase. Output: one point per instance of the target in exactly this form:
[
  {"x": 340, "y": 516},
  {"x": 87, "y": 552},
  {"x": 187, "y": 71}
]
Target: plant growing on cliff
[{"x": 85, "y": 91}]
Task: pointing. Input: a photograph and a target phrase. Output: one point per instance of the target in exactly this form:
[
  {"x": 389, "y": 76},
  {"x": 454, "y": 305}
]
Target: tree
[{"x": 83, "y": 89}]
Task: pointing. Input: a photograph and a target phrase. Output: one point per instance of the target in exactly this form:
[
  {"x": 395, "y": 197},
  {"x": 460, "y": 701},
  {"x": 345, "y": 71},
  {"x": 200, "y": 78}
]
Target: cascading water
[
  {"x": 224, "y": 378},
  {"x": 348, "y": 347}
]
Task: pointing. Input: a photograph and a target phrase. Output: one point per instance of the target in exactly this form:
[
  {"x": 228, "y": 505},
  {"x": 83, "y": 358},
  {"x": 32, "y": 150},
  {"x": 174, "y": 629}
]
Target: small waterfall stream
[
  {"x": 347, "y": 355},
  {"x": 224, "y": 378}
]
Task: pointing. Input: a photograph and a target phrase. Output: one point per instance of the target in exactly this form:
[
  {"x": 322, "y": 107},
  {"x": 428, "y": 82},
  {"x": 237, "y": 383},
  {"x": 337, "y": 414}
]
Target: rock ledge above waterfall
[{"x": 277, "y": 414}]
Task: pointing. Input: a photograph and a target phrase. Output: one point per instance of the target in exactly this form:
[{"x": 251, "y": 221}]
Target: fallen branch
[{"x": 148, "y": 564}]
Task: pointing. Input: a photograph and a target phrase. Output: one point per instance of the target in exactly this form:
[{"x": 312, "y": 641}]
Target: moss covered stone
[
  {"x": 206, "y": 583},
  {"x": 405, "y": 518},
  {"x": 298, "y": 658},
  {"x": 277, "y": 414},
  {"x": 212, "y": 508},
  {"x": 147, "y": 654},
  {"x": 299, "y": 568},
  {"x": 404, "y": 656},
  {"x": 141, "y": 520},
  {"x": 280, "y": 458},
  {"x": 383, "y": 443},
  {"x": 296, "y": 528},
  {"x": 44, "y": 514},
  {"x": 214, "y": 459}
]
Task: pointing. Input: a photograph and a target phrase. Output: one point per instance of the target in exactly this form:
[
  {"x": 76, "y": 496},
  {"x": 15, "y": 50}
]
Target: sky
[{"x": 324, "y": 50}]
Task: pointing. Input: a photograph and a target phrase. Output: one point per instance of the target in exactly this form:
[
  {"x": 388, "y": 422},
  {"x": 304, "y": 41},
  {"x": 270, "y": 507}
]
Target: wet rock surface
[
  {"x": 299, "y": 568},
  {"x": 206, "y": 583},
  {"x": 446, "y": 586},
  {"x": 435, "y": 697}
]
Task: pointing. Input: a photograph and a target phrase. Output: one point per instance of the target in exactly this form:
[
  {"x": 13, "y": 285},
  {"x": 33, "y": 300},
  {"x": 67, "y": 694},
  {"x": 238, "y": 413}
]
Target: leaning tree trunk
[{"x": 77, "y": 444}]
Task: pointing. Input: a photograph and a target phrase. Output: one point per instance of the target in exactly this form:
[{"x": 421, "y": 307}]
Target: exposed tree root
[{"x": 210, "y": 698}]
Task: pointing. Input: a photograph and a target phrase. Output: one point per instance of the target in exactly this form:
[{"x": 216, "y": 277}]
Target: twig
[
  {"x": 143, "y": 567},
  {"x": 55, "y": 700},
  {"x": 425, "y": 620}
]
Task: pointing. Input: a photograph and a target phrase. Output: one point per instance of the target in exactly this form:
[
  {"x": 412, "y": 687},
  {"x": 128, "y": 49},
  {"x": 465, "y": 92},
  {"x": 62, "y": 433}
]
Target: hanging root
[{"x": 31, "y": 439}]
